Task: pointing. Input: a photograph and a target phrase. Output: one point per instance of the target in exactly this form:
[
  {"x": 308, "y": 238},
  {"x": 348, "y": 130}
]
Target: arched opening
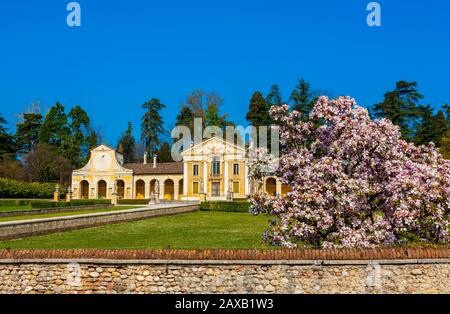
[
  {"x": 285, "y": 189},
  {"x": 153, "y": 186},
  {"x": 101, "y": 189},
  {"x": 271, "y": 186},
  {"x": 140, "y": 189},
  {"x": 180, "y": 189},
  {"x": 121, "y": 188},
  {"x": 168, "y": 189},
  {"x": 84, "y": 189}
]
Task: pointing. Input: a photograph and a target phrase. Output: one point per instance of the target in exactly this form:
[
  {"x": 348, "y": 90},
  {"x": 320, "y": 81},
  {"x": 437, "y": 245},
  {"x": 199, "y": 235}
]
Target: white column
[
  {"x": 205, "y": 177},
  {"x": 185, "y": 179},
  {"x": 147, "y": 190},
  {"x": 161, "y": 189},
  {"x": 247, "y": 183},
  {"x": 278, "y": 187},
  {"x": 176, "y": 187},
  {"x": 225, "y": 177}
]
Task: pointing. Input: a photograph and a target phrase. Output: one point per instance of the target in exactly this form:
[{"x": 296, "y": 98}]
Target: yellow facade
[{"x": 212, "y": 170}]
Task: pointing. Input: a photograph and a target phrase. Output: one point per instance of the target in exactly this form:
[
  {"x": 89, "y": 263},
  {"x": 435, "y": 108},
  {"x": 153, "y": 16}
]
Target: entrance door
[
  {"x": 215, "y": 189},
  {"x": 101, "y": 189}
]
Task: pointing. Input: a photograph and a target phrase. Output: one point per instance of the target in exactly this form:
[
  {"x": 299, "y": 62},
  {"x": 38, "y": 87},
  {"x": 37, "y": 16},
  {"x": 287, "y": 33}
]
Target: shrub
[
  {"x": 226, "y": 206},
  {"x": 20, "y": 189},
  {"x": 354, "y": 181},
  {"x": 73, "y": 203},
  {"x": 14, "y": 202}
]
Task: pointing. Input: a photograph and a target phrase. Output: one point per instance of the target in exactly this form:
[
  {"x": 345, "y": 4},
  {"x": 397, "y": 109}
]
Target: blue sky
[{"x": 127, "y": 52}]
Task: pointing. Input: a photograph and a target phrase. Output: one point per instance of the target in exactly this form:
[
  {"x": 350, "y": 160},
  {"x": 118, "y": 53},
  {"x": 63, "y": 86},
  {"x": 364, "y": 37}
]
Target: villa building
[{"x": 213, "y": 170}]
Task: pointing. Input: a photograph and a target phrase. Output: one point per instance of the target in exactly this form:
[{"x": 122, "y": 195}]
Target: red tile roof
[{"x": 161, "y": 168}]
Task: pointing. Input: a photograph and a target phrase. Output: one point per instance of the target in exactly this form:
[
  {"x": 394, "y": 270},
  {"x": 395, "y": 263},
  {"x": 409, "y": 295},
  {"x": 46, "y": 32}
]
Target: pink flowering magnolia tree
[{"x": 354, "y": 182}]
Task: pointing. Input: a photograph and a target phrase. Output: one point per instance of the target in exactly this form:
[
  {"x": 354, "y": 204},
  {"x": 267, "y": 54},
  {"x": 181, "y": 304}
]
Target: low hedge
[
  {"x": 14, "y": 202},
  {"x": 133, "y": 202},
  {"x": 20, "y": 189},
  {"x": 226, "y": 206},
  {"x": 73, "y": 203}
]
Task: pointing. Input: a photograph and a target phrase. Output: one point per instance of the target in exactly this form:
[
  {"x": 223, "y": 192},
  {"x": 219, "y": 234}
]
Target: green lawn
[
  {"x": 198, "y": 230},
  {"x": 9, "y": 208},
  {"x": 63, "y": 214}
]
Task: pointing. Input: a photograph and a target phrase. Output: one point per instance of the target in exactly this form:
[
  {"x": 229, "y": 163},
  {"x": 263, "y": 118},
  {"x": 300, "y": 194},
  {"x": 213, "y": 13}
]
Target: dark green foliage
[
  {"x": 13, "y": 202},
  {"x": 127, "y": 144},
  {"x": 258, "y": 111},
  {"x": 186, "y": 118},
  {"x": 55, "y": 130},
  {"x": 302, "y": 98},
  {"x": 401, "y": 107},
  {"x": 445, "y": 145},
  {"x": 226, "y": 206},
  {"x": 431, "y": 128},
  {"x": 73, "y": 203},
  {"x": 27, "y": 134},
  {"x": 164, "y": 153},
  {"x": 78, "y": 144},
  {"x": 274, "y": 97},
  {"x": 152, "y": 125},
  {"x": 20, "y": 189},
  {"x": 7, "y": 143}
]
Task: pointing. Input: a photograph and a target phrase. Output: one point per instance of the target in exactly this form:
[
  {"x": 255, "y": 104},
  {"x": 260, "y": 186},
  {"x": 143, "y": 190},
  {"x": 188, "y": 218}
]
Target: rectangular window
[
  {"x": 195, "y": 170},
  {"x": 215, "y": 186},
  {"x": 194, "y": 187},
  {"x": 236, "y": 187},
  {"x": 216, "y": 168},
  {"x": 236, "y": 169}
]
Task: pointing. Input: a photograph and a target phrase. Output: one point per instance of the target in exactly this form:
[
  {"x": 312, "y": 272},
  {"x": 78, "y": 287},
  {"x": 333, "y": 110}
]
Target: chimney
[
  {"x": 154, "y": 161},
  {"x": 192, "y": 144},
  {"x": 145, "y": 158}
]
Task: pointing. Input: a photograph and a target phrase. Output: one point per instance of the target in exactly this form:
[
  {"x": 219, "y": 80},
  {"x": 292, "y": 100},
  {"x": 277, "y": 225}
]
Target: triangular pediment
[
  {"x": 214, "y": 146},
  {"x": 103, "y": 159}
]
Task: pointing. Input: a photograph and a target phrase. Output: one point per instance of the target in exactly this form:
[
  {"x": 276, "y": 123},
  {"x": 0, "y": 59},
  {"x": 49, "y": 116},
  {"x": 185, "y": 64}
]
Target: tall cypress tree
[
  {"x": 78, "y": 149},
  {"x": 152, "y": 125},
  {"x": 127, "y": 144}
]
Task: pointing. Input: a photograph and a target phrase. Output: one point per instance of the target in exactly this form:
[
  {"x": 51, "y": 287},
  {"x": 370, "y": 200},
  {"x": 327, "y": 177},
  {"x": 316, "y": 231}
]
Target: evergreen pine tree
[
  {"x": 165, "y": 153},
  {"x": 274, "y": 97},
  {"x": 152, "y": 125},
  {"x": 302, "y": 98},
  {"x": 127, "y": 144},
  {"x": 7, "y": 143},
  {"x": 258, "y": 111},
  {"x": 54, "y": 130},
  {"x": 401, "y": 107},
  {"x": 27, "y": 132}
]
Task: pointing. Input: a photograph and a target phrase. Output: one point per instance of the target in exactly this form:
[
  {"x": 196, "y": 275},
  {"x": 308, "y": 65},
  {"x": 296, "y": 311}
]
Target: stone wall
[{"x": 395, "y": 276}]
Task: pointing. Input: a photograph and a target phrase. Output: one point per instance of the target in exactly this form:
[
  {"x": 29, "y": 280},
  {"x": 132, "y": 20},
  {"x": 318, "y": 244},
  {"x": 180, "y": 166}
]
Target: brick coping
[
  {"x": 227, "y": 262},
  {"x": 420, "y": 253}
]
